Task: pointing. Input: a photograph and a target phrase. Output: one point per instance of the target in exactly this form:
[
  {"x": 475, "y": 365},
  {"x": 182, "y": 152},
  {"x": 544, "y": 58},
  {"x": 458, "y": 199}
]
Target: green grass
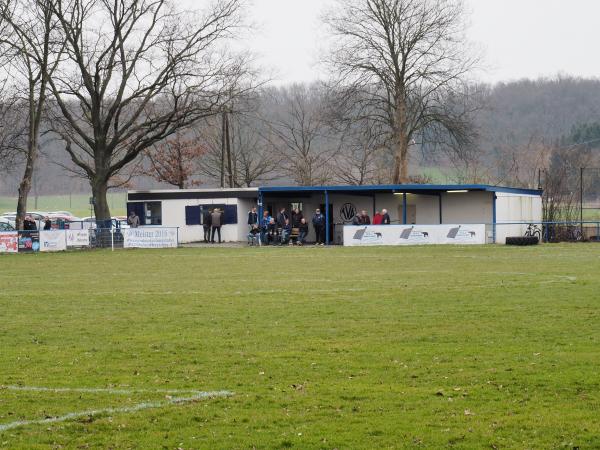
[
  {"x": 78, "y": 204},
  {"x": 430, "y": 347}
]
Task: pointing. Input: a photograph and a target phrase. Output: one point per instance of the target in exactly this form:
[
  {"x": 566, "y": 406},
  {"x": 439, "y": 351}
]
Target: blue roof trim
[{"x": 402, "y": 188}]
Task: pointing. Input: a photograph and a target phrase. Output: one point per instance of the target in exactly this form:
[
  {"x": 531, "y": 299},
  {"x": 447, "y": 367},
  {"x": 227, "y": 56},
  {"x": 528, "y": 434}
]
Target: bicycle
[{"x": 533, "y": 231}]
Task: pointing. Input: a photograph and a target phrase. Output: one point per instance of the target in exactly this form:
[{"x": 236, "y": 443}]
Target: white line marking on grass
[
  {"x": 115, "y": 391},
  {"x": 197, "y": 396}
]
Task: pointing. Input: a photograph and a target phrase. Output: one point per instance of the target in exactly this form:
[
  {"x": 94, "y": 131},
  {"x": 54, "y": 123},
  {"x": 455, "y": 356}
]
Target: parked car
[
  {"x": 10, "y": 219},
  {"x": 117, "y": 222},
  {"x": 6, "y": 225}
]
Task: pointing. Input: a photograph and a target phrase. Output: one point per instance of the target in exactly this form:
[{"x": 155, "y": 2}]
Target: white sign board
[
  {"x": 9, "y": 242},
  {"x": 53, "y": 241},
  {"x": 413, "y": 234},
  {"x": 149, "y": 237},
  {"x": 78, "y": 238}
]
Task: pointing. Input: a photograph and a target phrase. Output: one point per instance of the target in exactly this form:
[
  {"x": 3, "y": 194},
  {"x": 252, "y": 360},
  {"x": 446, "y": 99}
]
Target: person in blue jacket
[{"x": 264, "y": 227}]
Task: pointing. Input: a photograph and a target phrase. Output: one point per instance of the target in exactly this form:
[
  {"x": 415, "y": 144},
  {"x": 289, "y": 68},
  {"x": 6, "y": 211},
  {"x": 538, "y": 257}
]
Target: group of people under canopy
[{"x": 289, "y": 228}]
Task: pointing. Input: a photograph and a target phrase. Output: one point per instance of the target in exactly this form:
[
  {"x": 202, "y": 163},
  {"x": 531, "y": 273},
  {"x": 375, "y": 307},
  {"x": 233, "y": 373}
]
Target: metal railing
[{"x": 548, "y": 232}]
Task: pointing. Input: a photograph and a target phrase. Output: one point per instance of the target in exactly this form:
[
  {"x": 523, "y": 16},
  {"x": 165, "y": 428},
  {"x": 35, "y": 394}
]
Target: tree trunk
[
  {"x": 401, "y": 143},
  {"x": 228, "y": 149},
  {"x": 400, "y": 175},
  {"x": 25, "y": 186},
  {"x": 101, "y": 208}
]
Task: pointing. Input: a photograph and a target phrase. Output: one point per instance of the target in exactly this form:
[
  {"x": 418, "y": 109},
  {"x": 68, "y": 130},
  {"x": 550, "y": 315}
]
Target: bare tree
[
  {"x": 361, "y": 160},
  {"x": 175, "y": 161},
  {"x": 29, "y": 41},
  {"x": 136, "y": 72},
  {"x": 12, "y": 129},
  {"x": 301, "y": 131},
  {"x": 253, "y": 158},
  {"x": 408, "y": 61}
]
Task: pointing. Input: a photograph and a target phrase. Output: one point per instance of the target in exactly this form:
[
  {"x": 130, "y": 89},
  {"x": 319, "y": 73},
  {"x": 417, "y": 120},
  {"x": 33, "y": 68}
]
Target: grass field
[
  {"x": 78, "y": 204},
  {"x": 431, "y": 347}
]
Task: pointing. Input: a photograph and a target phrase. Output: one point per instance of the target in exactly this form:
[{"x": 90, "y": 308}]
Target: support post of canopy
[{"x": 327, "y": 218}]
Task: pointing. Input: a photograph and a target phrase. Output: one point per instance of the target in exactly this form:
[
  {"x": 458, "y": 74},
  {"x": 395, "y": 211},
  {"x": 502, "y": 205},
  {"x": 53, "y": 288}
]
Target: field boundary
[{"x": 169, "y": 401}]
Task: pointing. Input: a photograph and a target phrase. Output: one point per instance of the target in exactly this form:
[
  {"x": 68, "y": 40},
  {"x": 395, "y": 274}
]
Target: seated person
[
  {"x": 253, "y": 234},
  {"x": 285, "y": 232},
  {"x": 303, "y": 228},
  {"x": 270, "y": 232}
]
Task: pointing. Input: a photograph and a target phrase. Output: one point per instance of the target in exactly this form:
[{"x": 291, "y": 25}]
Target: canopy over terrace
[{"x": 406, "y": 203}]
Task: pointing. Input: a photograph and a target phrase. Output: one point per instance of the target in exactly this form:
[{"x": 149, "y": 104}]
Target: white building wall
[
  {"x": 467, "y": 207},
  {"x": 516, "y": 208},
  {"x": 173, "y": 215}
]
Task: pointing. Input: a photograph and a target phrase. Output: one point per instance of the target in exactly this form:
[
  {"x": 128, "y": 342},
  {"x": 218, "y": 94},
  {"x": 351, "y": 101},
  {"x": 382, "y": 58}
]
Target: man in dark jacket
[
  {"x": 385, "y": 217},
  {"x": 216, "y": 220},
  {"x": 303, "y": 231},
  {"x": 252, "y": 218},
  {"x": 318, "y": 222},
  {"x": 206, "y": 224},
  {"x": 296, "y": 218},
  {"x": 29, "y": 224},
  {"x": 281, "y": 218}
]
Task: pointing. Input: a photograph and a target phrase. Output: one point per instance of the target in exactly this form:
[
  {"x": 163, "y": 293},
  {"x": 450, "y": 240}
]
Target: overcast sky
[{"x": 518, "y": 38}]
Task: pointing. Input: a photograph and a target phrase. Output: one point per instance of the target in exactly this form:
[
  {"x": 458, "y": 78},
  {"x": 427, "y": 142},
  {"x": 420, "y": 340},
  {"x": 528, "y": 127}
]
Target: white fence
[{"x": 414, "y": 234}]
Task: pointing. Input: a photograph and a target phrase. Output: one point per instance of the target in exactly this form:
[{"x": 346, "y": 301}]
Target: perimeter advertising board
[
  {"x": 413, "y": 234},
  {"x": 9, "y": 242},
  {"x": 78, "y": 238},
  {"x": 53, "y": 241},
  {"x": 149, "y": 237},
  {"x": 29, "y": 241}
]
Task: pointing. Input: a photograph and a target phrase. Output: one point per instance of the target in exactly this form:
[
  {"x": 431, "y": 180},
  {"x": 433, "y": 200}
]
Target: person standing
[
  {"x": 133, "y": 220},
  {"x": 377, "y": 218},
  {"x": 47, "y": 224},
  {"x": 296, "y": 218},
  {"x": 252, "y": 218},
  {"x": 29, "y": 224},
  {"x": 281, "y": 218},
  {"x": 385, "y": 217},
  {"x": 206, "y": 224},
  {"x": 364, "y": 218},
  {"x": 216, "y": 220},
  {"x": 318, "y": 222}
]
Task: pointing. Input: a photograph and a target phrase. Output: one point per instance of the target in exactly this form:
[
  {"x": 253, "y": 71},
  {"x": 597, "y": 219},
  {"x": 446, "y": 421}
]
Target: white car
[
  {"x": 6, "y": 224},
  {"x": 117, "y": 222}
]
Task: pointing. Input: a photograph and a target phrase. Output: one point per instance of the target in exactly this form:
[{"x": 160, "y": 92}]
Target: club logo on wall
[{"x": 347, "y": 212}]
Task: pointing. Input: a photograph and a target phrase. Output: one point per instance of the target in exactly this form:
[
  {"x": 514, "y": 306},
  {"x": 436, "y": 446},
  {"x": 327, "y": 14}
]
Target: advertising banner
[
  {"x": 149, "y": 237},
  {"x": 413, "y": 234},
  {"x": 9, "y": 242},
  {"x": 29, "y": 241},
  {"x": 78, "y": 238},
  {"x": 53, "y": 241}
]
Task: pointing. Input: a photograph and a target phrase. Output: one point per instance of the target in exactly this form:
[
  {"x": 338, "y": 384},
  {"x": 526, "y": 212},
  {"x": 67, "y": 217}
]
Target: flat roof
[
  {"x": 423, "y": 189},
  {"x": 402, "y": 188}
]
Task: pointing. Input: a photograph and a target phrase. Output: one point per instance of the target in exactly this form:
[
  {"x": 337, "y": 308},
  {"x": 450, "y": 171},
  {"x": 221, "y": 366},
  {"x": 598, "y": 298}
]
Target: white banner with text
[
  {"x": 413, "y": 234},
  {"x": 53, "y": 241},
  {"x": 149, "y": 237},
  {"x": 78, "y": 238}
]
